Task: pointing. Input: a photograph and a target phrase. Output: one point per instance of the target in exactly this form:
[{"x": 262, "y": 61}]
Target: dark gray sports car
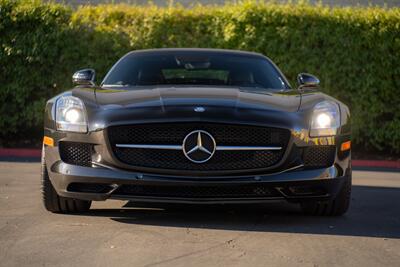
[{"x": 199, "y": 126}]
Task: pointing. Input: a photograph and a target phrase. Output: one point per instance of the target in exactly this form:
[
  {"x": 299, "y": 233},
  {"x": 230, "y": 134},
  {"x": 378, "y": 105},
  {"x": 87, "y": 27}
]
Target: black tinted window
[{"x": 195, "y": 69}]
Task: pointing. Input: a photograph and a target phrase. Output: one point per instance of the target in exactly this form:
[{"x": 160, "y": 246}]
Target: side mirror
[
  {"x": 307, "y": 80},
  {"x": 84, "y": 77}
]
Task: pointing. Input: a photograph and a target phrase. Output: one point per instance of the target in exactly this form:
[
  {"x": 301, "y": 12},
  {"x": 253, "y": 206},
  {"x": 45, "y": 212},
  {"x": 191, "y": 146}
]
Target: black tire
[
  {"x": 335, "y": 207},
  {"x": 55, "y": 203}
]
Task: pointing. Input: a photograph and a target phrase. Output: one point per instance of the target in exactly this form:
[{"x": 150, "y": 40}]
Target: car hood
[
  {"x": 165, "y": 98},
  {"x": 116, "y": 106}
]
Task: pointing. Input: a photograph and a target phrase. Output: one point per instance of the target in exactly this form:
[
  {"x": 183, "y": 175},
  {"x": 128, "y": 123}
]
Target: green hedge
[{"x": 354, "y": 51}]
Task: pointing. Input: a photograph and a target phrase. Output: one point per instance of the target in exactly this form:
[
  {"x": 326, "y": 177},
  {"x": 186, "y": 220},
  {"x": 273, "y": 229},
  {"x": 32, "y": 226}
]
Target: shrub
[{"x": 354, "y": 51}]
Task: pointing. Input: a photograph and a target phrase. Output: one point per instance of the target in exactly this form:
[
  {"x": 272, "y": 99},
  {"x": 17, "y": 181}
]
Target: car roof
[{"x": 169, "y": 51}]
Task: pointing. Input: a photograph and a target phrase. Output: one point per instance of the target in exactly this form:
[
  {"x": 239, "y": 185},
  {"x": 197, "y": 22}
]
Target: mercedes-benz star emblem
[
  {"x": 199, "y": 109},
  {"x": 199, "y": 146}
]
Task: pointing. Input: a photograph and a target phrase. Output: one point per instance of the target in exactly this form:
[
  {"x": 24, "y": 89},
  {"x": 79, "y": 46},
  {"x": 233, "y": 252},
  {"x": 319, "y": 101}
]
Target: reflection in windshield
[{"x": 195, "y": 69}]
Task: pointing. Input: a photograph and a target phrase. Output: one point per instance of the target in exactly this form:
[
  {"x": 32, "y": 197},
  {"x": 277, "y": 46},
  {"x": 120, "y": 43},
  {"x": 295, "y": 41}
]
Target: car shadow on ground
[{"x": 375, "y": 212}]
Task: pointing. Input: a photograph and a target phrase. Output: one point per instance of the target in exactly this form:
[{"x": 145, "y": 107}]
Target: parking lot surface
[{"x": 117, "y": 233}]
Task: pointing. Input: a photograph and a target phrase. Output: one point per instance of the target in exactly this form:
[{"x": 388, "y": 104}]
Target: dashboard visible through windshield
[{"x": 195, "y": 69}]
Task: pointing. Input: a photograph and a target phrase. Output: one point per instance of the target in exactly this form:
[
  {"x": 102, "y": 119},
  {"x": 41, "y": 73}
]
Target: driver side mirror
[
  {"x": 307, "y": 80},
  {"x": 84, "y": 77}
]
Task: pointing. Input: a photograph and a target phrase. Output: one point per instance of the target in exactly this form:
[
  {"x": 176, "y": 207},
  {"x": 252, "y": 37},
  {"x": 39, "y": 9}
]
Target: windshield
[{"x": 195, "y": 69}]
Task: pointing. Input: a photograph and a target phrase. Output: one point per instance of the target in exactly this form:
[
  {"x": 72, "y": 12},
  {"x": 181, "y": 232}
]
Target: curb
[
  {"x": 386, "y": 164},
  {"x": 17, "y": 153},
  {"x": 20, "y": 153}
]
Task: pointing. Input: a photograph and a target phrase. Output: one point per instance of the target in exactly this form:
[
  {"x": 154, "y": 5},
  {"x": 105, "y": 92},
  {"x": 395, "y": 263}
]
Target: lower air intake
[
  {"x": 187, "y": 191},
  {"x": 76, "y": 153},
  {"x": 319, "y": 156}
]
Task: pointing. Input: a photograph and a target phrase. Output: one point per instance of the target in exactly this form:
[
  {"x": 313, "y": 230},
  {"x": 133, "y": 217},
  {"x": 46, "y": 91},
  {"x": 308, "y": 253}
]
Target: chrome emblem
[
  {"x": 199, "y": 146},
  {"x": 199, "y": 109}
]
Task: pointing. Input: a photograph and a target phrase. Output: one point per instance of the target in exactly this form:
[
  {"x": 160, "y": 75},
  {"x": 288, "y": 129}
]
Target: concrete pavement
[{"x": 114, "y": 233}]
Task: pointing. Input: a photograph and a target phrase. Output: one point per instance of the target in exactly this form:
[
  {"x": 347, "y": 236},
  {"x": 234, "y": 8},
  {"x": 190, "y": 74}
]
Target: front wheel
[
  {"x": 55, "y": 203},
  {"x": 335, "y": 207}
]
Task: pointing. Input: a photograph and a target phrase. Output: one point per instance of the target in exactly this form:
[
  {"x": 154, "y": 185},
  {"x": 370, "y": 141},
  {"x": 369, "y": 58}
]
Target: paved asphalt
[{"x": 118, "y": 234}]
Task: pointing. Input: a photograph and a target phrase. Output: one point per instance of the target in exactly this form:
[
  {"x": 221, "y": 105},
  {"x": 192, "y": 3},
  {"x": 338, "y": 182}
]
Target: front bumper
[
  {"x": 289, "y": 181},
  {"x": 293, "y": 185}
]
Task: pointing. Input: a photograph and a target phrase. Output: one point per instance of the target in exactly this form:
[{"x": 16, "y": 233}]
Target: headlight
[
  {"x": 325, "y": 119},
  {"x": 71, "y": 115}
]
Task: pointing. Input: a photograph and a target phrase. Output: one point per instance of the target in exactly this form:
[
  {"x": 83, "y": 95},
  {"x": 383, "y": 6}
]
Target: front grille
[
  {"x": 76, "y": 153},
  {"x": 189, "y": 191},
  {"x": 222, "y": 160},
  {"x": 173, "y": 134},
  {"x": 319, "y": 156}
]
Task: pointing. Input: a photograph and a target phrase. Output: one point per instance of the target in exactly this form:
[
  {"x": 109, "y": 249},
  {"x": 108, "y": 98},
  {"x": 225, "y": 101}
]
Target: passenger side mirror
[
  {"x": 84, "y": 77},
  {"x": 307, "y": 80}
]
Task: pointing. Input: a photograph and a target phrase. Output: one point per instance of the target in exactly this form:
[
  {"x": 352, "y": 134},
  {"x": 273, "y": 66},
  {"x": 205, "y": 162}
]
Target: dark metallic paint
[{"x": 290, "y": 109}]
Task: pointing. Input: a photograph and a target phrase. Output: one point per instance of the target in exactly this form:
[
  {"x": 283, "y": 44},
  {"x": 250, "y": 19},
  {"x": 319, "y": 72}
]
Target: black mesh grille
[
  {"x": 89, "y": 188},
  {"x": 175, "y": 159},
  {"x": 188, "y": 191},
  {"x": 173, "y": 134},
  {"x": 319, "y": 156},
  {"x": 76, "y": 153}
]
